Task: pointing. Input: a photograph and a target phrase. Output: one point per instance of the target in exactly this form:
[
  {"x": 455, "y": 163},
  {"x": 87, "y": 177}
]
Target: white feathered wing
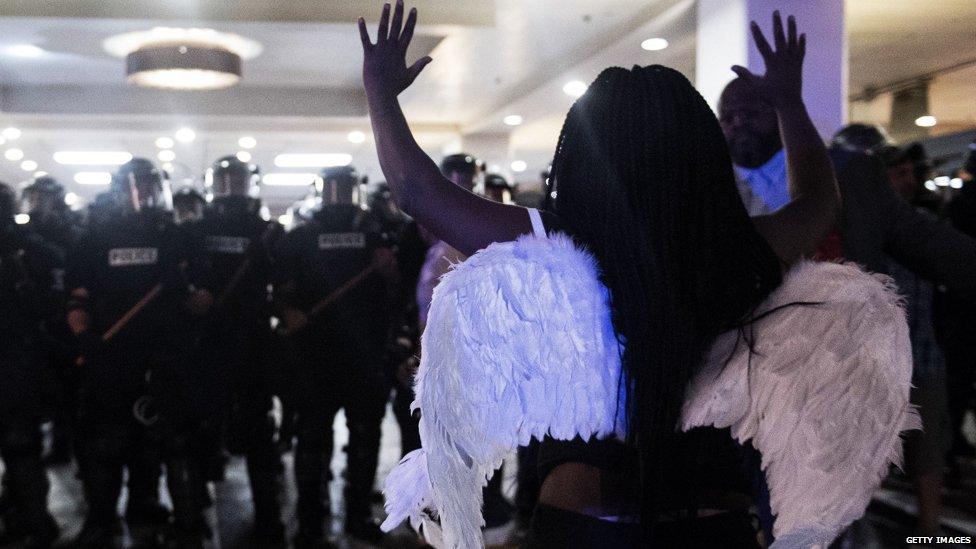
[
  {"x": 823, "y": 397},
  {"x": 519, "y": 344}
]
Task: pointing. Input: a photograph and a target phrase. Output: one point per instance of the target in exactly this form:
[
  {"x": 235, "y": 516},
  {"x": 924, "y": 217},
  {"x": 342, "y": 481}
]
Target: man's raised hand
[
  {"x": 385, "y": 71},
  {"x": 783, "y": 82}
]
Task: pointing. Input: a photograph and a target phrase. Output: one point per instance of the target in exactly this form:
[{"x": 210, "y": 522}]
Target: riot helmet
[
  {"x": 462, "y": 169},
  {"x": 229, "y": 176},
  {"x": 339, "y": 185},
  {"x": 142, "y": 186},
  {"x": 862, "y": 138},
  {"x": 43, "y": 198},
  {"x": 379, "y": 200},
  {"x": 188, "y": 205},
  {"x": 499, "y": 189}
]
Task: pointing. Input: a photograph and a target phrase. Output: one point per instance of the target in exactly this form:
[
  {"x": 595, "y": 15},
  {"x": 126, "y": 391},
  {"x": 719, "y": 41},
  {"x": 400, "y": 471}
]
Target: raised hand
[
  {"x": 385, "y": 71},
  {"x": 783, "y": 82}
]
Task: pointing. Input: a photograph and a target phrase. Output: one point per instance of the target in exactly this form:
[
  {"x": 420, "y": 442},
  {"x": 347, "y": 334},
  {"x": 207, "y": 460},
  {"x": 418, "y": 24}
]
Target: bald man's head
[{"x": 749, "y": 123}]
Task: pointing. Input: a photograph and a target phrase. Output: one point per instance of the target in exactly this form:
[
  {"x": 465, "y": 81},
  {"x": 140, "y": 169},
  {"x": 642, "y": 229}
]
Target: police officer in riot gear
[
  {"x": 334, "y": 278},
  {"x": 132, "y": 287},
  {"x": 404, "y": 338},
  {"x": 499, "y": 189},
  {"x": 27, "y": 297},
  {"x": 238, "y": 244},
  {"x": 52, "y": 221},
  {"x": 188, "y": 205}
]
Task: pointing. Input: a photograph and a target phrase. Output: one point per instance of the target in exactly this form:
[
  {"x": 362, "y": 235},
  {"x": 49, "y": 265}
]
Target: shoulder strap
[{"x": 537, "y": 227}]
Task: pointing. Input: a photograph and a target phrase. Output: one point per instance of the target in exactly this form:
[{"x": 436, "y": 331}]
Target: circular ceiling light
[
  {"x": 247, "y": 142},
  {"x": 164, "y": 142},
  {"x": 182, "y": 58},
  {"x": 654, "y": 44},
  {"x": 926, "y": 121},
  {"x": 183, "y": 68},
  {"x": 512, "y": 120},
  {"x": 575, "y": 88},
  {"x": 185, "y": 135},
  {"x": 244, "y": 156},
  {"x": 356, "y": 136}
]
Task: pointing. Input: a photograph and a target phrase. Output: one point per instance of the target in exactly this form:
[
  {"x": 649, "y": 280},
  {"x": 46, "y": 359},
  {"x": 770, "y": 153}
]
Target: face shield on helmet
[
  {"x": 230, "y": 177},
  {"x": 498, "y": 189},
  {"x": 188, "y": 205},
  {"x": 339, "y": 186},
  {"x": 462, "y": 169},
  {"x": 43, "y": 198},
  {"x": 142, "y": 186}
]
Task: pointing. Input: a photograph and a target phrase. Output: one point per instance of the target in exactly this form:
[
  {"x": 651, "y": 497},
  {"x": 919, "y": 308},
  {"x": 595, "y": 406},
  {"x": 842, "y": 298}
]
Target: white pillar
[{"x": 724, "y": 39}]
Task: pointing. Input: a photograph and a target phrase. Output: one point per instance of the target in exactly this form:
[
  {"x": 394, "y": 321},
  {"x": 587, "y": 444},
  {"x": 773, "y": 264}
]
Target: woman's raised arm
[
  {"x": 462, "y": 219},
  {"x": 797, "y": 228}
]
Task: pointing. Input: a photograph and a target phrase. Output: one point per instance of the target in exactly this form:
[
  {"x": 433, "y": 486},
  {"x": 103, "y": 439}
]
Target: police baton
[
  {"x": 342, "y": 290},
  {"x": 124, "y": 320}
]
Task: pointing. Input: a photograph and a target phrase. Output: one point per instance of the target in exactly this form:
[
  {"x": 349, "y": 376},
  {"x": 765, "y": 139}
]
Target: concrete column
[{"x": 724, "y": 39}]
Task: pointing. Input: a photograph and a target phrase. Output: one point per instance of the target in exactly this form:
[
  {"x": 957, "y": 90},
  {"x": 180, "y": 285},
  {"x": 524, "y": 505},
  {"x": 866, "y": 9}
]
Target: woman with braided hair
[{"x": 525, "y": 342}]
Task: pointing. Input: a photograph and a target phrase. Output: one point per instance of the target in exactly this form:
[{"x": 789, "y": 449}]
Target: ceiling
[{"x": 491, "y": 59}]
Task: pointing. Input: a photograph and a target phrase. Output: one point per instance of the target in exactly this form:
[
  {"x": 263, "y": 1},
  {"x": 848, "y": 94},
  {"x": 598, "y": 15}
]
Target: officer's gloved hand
[
  {"x": 293, "y": 319},
  {"x": 89, "y": 343}
]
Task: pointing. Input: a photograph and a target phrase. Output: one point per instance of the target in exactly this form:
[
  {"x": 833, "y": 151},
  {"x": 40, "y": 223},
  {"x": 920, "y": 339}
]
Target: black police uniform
[
  {"x": 405, "y": 337},
  {"x": 237, "y": 242},
  {"x": 28, "y": 298},
  {"x": 61, "y": 231},
  {"x": 342, "y": 356},
  {"x": 118, "y": 263}
]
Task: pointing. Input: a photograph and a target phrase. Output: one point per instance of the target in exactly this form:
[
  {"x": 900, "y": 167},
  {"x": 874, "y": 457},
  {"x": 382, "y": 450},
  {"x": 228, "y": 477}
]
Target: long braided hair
[{"x": 643, "y": 178}]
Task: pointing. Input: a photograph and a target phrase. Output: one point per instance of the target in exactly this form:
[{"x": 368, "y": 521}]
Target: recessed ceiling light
[
  {"x": 24, "y": 50},
  {"x": 942, "y": 181},
  {"x": 92, "y": 158},
  {"x": 247, "y": 142},
  {"x": 244, "y": 156},
  {"x": 164, "y": 142},
  {"x": 575, "y": 88},
  {"x": 356, "y": 136},
  {"x": 10, "y": 133},
  {"x": 39, "y": 173},
  {"x": 313, "y": 160},
  {"x": 13, "y": 155},
  {"x": 930, "y": 185},
  {"x": 926, "y": 121},
  {"x": 21, "y": 219},
  {"x": 654, "y": 44},
  {"x": 28, "y": 165},
  {"x": 519, "y": 166},
  {"x": 185, "y": 135},
  {"x": 70, "y": 199},
  {"x": 281, "y": 179},
  {"x": 955, "y": 182},
  {"x": 166, "y": 155},
  {"x": 93, "y": 178},
  {"x": 512, "y": 120}
]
